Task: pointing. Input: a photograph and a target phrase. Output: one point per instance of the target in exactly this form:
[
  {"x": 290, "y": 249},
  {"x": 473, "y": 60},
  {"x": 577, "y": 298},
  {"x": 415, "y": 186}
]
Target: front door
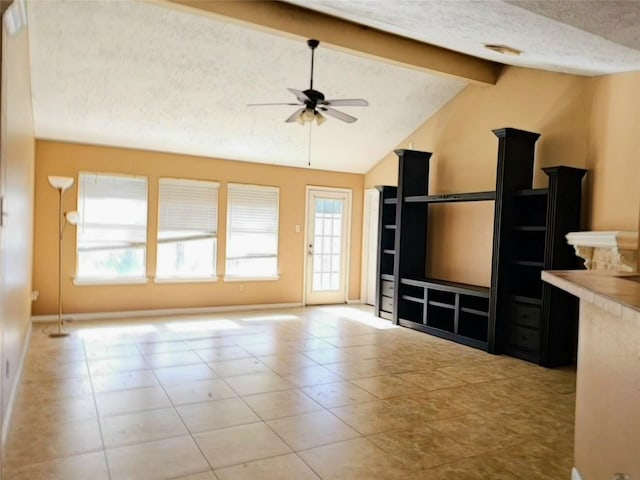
[{"x": 328, "y": 224}]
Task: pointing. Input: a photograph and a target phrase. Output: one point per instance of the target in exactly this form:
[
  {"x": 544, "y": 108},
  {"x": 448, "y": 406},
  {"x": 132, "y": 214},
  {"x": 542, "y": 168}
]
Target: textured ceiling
[
  {"x": 144, "y": 76},
  {"x": 581, "y": 37}
]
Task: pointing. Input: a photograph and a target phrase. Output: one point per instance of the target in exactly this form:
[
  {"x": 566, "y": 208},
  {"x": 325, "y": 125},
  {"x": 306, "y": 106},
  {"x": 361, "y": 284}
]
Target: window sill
[
  {"x": 89, "y": 281},
  {"x": 237, "y": 278},
  {"x": 185, "y": 279}
]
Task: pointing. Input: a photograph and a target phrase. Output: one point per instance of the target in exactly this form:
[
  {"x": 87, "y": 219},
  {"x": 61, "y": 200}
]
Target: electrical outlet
[
  {"x": 241, "y": 287},
  {"x": 35, "y": 295},
  {"x": 621, "y": 476}
]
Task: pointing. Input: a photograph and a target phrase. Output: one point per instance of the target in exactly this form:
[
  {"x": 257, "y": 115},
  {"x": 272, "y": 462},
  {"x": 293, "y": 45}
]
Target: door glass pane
[{"x": 327, "y": 243}]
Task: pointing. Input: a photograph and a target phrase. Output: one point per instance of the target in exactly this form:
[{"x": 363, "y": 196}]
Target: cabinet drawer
[
  {"x": 525, "y": 314},
  {"x": 386, "y": 304},
  {"x": 387, "y": 288},
  {"x": 524, "y": 337}
]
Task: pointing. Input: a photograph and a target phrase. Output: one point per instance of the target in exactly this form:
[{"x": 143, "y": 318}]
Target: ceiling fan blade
[
  {"x": 346, "y": 102},
  {"x": 338, "y": 114},
  {"x": 261, "y": 104},
  {"x": 295, "y": 115},
  {"x": 301, "y": 96}
]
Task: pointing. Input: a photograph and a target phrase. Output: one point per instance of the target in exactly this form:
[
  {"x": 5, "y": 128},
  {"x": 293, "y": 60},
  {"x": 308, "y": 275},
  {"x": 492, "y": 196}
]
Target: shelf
[
  {"x": 441, "y": 304},
  {"x": 452, "y": 197},
  {"x": 471, "y": 342},
  {"x": 530, "y": 228},
  {"x": 531, "y": 300},
  {"x": 389, "y": 252},
  {"x": 390, "y": 227},
  {"x": 390, "y": 201},
  {"x": 447, "y": 286},
  {"x": 528, "y": 263},
  {"x": 386, "y": 276},
  {"x": 529, "y": 192},
  {"x": 413, "y": 299},
  {"x": 474, "y": 311}
]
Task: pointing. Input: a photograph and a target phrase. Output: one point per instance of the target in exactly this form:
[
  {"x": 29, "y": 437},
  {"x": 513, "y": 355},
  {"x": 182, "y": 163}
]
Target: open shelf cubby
[{"x": 517, "y": 314}]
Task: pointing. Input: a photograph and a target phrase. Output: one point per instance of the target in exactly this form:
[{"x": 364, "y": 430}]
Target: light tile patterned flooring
[{"x": 296, "y": 394}]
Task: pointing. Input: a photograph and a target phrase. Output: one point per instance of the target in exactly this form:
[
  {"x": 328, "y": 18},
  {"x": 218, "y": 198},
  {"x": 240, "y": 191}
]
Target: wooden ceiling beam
[{"x": 301, "y": 23}]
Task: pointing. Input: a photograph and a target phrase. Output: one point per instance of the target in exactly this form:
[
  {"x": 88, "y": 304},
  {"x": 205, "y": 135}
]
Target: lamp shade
[
  {"x": 72, "y": 217},
  {"x": 60, "y": 183}
]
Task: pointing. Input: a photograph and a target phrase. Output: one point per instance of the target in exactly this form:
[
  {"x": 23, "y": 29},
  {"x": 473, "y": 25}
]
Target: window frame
[
  {"x": 194, "y": 278},
  {"x": 252, "y": 278},
  {"x": 91, "y": 280}
]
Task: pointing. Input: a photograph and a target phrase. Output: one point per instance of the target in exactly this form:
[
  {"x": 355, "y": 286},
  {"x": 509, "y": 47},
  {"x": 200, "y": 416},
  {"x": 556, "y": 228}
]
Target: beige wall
[
  {"x": 465, "y": 157},
  {"x": 16, "y": 186},
  {"x": 614, "y": 152},
  {"x": 54, "y": 158}
]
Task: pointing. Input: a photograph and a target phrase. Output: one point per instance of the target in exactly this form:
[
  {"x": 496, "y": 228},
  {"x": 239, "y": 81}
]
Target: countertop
[{"x": 612, "y": 291}]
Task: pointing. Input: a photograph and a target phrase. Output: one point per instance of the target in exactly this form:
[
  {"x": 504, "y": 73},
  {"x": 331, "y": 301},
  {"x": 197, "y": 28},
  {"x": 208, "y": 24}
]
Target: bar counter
[{"x": 607, "y": 417}]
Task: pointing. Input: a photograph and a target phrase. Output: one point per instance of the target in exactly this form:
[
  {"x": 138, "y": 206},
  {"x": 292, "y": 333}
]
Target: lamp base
[{"x": 59, "y": 334}]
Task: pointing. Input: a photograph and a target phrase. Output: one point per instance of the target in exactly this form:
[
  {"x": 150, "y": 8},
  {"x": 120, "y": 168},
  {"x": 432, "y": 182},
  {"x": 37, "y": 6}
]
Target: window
[
  {"x": 112, "y": 228},
  {"x": 252, "y": 232},
  {"x": 187, "y": 229}
]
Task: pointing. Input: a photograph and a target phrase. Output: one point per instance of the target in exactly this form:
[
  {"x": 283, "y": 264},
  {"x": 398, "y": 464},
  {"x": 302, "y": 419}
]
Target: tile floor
[{"x": 297, "y": 394}]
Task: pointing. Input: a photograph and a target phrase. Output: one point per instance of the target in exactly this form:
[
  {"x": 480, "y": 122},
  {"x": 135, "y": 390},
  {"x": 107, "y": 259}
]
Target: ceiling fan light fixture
[
  {"x": 308, "y": 115},
  {"x": 310, "y": 101}
]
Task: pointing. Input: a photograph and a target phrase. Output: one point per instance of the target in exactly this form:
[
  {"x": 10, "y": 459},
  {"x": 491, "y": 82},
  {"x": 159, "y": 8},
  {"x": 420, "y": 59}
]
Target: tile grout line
[
  {"x": 182, "y": 419},
  {"x": 95, "y": 405}
]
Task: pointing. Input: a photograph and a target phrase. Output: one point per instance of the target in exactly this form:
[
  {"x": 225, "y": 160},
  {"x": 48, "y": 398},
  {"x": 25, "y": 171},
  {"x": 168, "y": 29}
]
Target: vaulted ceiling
[{"x": 177, "y": 76}]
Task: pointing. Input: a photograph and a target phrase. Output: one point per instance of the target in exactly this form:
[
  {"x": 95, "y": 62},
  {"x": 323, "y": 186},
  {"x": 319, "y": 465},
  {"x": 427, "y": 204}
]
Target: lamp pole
[
  {"x": 59, "y": 332},
  {"x": 60, "y": 184}
]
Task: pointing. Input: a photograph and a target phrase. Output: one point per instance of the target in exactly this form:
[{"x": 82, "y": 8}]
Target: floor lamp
[{"x": 61, "y": 184}]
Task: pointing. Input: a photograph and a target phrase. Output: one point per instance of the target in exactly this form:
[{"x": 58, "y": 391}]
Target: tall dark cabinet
[
  {"x": 540, "y": 319},
  {"x": 518, "y": 314},
  {"x": 386, "y": 251}
]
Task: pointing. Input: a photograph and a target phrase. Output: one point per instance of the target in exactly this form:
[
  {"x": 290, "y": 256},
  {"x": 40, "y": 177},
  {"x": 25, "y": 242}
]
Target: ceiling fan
[{"x": 313, "y": 104}]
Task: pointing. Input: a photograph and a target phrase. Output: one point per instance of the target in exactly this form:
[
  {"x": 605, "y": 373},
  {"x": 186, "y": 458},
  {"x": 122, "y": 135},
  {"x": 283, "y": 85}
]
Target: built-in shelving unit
[
  {"x": 517, "y": 314},
  {"x": 386, "y": 252}
]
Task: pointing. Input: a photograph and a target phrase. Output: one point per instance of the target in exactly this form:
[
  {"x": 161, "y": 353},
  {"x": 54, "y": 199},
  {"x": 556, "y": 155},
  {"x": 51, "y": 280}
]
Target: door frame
[
  {"x": 367, "y": 227},
  {"x": 347, "y": 270}
]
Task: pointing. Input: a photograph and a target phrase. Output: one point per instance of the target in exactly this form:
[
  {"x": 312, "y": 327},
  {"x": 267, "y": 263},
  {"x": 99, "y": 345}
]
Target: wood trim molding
[{"x": 286, "y": 19}]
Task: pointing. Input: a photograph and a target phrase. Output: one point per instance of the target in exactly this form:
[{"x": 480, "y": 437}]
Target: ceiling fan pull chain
[{"x": 309, "y": 151}]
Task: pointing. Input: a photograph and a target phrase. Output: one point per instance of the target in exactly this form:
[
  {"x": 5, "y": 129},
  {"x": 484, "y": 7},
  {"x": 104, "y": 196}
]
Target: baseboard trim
[
  {"x": 355, "y": 301},
  {"x": 6, "y": 420},
  {"x": 159, "y": 312}
]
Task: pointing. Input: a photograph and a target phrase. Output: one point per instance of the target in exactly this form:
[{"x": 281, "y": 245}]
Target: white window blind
[
  {"x": 252, "y": 231},
  {"x": 112, "y": 227},
  {"x": 187, "y": 228}
]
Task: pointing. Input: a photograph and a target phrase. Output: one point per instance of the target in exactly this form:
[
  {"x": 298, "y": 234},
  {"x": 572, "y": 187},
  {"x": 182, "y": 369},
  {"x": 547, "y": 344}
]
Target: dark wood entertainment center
[{"x": 518, "y": 314}]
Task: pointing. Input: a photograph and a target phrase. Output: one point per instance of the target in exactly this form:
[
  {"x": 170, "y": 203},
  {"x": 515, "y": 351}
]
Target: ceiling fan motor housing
[{"x": 314, "y": 97}]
